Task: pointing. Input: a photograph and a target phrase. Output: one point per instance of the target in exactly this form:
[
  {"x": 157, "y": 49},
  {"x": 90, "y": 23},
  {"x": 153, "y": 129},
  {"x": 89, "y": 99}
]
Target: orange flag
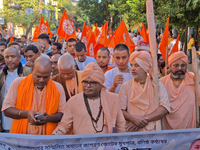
[
  {"x": 175, "y": 47},
  {"x": 36, "y": 34},
  {"x": 103, "y": 40},
  {"x": 65, "y": 29},
  {"x": 42, "y": 25},
  {"x": 48, "y": 29},
  {"x": 91, "y": 42},
  {"x": 164, "y": 42},
  {"x": 144, "y": 34},
  {"x": 121, "y": 35},
  {"x": 111, "y": 49},
  {"x": 138, "y": 29},
  {"x": 84, "y": 34},
  {"x": 72, "y": 23},
  {"x": 11, "y": 38},
  {"x": 96, "y": 31}
]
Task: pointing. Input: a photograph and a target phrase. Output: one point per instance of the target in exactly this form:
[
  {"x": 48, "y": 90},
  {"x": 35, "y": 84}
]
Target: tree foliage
[{"x": 21, "y": 12}]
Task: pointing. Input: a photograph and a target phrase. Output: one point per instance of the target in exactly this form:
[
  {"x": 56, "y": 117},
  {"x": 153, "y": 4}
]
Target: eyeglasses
[
  {"x": 92, "y": 83},
  {"x": 42, "y": 47},
  {"x": 177, "y": 65}
]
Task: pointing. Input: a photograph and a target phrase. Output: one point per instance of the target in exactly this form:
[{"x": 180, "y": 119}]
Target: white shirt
[
  {"x": 134, "y": 39},
  {"x": 81, "y": 65},
  {"x": 110, "y": 75},
  {"x": 171, "y": 45},
  {"x": 6, "y": 122}
]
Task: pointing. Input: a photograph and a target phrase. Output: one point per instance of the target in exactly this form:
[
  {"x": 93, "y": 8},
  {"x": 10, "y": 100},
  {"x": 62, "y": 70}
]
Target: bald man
[
  {"x": 11, "y": 71},
  {"x": 35, "y": 95},
  {"x": 68, "y": 77},
  {"x": 54, "y": 63}
]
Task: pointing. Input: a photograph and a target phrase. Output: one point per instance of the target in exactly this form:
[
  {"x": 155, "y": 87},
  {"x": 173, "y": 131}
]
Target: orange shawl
[{"x": 24, "y": 102}]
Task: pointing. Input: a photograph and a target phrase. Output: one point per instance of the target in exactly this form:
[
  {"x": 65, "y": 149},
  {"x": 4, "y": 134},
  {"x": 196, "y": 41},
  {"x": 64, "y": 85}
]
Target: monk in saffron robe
[
  {"x": 137, "y": 96},
  {"x": 95, "y": 110},
  {"x": 180, "y": 88},
  {"x": 68, "y": 77},
  {"x": 32, "y": 95}
]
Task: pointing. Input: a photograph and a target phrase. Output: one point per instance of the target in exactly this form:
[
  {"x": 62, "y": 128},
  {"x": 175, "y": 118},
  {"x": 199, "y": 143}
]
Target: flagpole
[
  {"x": 196, "y": 73},
  {"x": 166, "y": 60},
  {"x": 153, "y": 50},
  {"x": 56, "y": 38}
]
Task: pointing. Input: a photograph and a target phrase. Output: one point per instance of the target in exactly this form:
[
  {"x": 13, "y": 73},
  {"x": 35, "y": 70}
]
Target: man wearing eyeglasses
[
  {"x": 95, "y": 111},
  {"x": 180, "y": 88},
  {"x": 68, "y": 77}
]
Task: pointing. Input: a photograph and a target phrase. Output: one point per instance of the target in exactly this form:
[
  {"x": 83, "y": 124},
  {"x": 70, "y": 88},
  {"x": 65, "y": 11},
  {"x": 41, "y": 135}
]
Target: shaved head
[
  {"x": 66, "y": 61},
  {"x": 55, "y": 57},
  {"x": 42, "y": 62},
  {"x": 41, "y": 72},
  {"x": 67, "y": 66}
]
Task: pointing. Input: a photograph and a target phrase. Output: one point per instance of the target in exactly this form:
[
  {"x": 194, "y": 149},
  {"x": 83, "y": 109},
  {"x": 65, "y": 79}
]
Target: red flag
[
  {"x": 138, "y": 29},
  {"x": 72, "y": 23},
  {"x": 65, "y": 29},
  {"x": 36, "y": 34},
  {"x": 121, "y": 35},
  {"x": 111, "y": 49},
  {"x": 144, "y": 34},
  {"x": 96, "y": 32},
  {"x": 48, "y": 29},
  {"x": 175, "y": 47},
  {"x": 42, "y": 26},
  {"x": 84, "y": 34},
  {"x": 11, "y": 38},
  {"x": 103, "y": 40},
  {"x": 164, "y": 42},
  {"x": 91, "y": 42}
]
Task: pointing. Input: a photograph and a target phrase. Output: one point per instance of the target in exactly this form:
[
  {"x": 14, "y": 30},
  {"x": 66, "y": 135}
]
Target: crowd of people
[{"x": 52, "y": 87}]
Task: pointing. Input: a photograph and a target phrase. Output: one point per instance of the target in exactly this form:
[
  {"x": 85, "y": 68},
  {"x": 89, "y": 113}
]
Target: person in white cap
[{"x": 142, "y": 46}]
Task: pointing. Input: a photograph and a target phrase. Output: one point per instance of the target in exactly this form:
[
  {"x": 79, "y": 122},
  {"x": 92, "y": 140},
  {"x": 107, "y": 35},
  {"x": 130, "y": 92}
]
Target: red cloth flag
[
  {"x": 91, "y": 42},
  {"x": 96, "y": 31},
  {"x": 65, "y": 29},
  {"x": 144, "y": 34},
  {"x": 138, "y": 29},
  {"x": 48, "y": 29},
  {"x": 36, "y": 34},
  {"x": 42, "y": 25},
  {"x": 84, "y": 34},
  {"x": 164, "y": 42},
  {"x": 122, "y": 36},
  {"x": 103, "y": 40},
  {"x": 175, "y": 47},
  {"x": 11, "y": 38}
]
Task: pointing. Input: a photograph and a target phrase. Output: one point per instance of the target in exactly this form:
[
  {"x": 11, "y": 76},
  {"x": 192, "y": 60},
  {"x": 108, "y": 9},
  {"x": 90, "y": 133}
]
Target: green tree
[
  {"x": 22, "y": 12},
  {"x": 98, "y": 12},
  {"x": 182, "y": 13}
]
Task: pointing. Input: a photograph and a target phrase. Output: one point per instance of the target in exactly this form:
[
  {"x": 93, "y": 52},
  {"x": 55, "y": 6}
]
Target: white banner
[{"x": 158, "y": 140}]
